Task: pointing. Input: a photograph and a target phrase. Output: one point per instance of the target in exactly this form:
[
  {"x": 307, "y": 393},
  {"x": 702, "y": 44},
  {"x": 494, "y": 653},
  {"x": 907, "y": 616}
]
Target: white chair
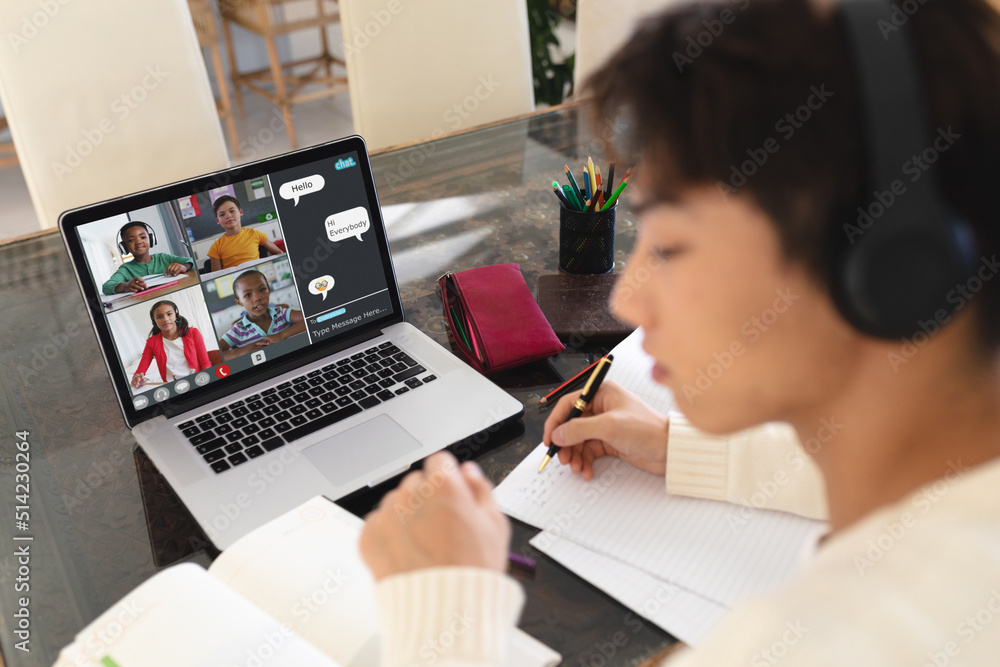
[
  {"x": 105, "y": 98},
  {"x": 422, "y": 69},
  {"x": 603, "y": 26}
]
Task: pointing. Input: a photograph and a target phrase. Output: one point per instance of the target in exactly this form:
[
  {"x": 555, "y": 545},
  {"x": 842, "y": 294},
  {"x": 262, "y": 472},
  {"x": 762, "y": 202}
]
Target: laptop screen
[{"x": 225, "y": 276}]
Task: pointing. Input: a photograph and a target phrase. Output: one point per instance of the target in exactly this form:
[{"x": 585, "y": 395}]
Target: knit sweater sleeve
[
  {"x": 762, "y": 467},
  {"x": 447, "y": 616}
]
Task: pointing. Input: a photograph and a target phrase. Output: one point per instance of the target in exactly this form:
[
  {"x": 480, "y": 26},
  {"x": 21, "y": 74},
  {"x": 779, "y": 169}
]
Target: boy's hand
[
  {"x": 439, "y": 516},
  {"x": 619, "y": 424},
  {"x": 175, "y": 269},
  {"x": 137, "y": 284}
]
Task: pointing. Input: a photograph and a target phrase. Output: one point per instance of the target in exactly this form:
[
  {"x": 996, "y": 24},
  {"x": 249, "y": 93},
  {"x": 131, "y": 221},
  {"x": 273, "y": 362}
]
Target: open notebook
[
  {"x": 292, "y": 592},
  {"x": 680, "y": 562}
]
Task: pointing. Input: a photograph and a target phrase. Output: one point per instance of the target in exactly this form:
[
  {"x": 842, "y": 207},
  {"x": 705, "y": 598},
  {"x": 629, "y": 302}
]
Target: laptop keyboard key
[
  {"x": 298, "y": 409},
  {"x": 322, "y": 422},
  {"x": 190, "y": 431},
  {"x": 408, "y": 373},
  {"x": 250, "y": 440},
  {"x": 237, "y": 459},
  {"x": 298, "y": 420},
  {"x": 239, "y": 422},
  {"x": 234, "y": 436},
  {"x": 282, "y": 427},
  {"x": 187, "y": 424},
  {"x": 272, "y": 444},
  {"x": 220, "y": 466},
  {"x": 283, "y": 416},
  {"x": 251, "y": 428},
  {"x": 313, "y": 403},
  {"x": 344, "y": 400},
  {"x": 358, "y": 395},
  {"x": 267, "y": 433},
  {"x": 211, "y": 446},
  {"x": 386, "y": 383},
  {"x": 239, "y": 412},
  {"x": 224, "y": 418},
  {"x": 385, "y": 395},
  {"x": 286, "y": 403},
  {"x": 272, "y": 409},
  {"x": 413, "y": 383},
  {"x": 368, "y": 402},
  {"x": 373, "y": 389},
  {"x": 430, "y": 378},
  {"x": 254, "y": 452},
  {"x": 342, "y": 391},
  {"x": 207, "y": 424},
  {"x": 256, "y": 405},
  {"x": 402, "y": 390},
  {"x": 313, "y": 414},
  {"x": 214, "y": 455},
  {"x": 223, "y": 429},
  {"x": 267, "y": 422},
  {"x": 201, "y": 438},
  {"x": 234, "y": 447}
]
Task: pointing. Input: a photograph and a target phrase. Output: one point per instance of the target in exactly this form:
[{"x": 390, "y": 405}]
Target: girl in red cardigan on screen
[{"x": 179, "y": 349}]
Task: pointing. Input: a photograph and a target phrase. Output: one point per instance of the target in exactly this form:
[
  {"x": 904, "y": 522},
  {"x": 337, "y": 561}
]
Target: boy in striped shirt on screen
[{"x": 261, "y": 323}]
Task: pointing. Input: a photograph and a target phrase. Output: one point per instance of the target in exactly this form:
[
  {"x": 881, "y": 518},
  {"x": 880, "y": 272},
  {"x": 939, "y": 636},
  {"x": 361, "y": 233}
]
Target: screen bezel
[{"x": 69, "y": 221}]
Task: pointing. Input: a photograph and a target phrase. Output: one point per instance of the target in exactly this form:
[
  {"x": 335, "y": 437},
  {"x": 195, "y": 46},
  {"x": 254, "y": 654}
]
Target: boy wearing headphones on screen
[
  {"x": 838, "y": 159},
  {"x": 136, "y": 238}
]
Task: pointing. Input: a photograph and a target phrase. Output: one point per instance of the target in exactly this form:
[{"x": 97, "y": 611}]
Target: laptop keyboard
[{"x": 248, "y": 428}]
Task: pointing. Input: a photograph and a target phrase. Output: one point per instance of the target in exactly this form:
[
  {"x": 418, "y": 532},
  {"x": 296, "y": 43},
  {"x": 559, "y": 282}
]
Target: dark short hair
[
  {"x": 130, "y": 225},
  {"x": 182, "y": 323},
  {"x": 247, "y": 274},
  {"x": 700, "y": 93},
  {"x": 222, "y": 200}
]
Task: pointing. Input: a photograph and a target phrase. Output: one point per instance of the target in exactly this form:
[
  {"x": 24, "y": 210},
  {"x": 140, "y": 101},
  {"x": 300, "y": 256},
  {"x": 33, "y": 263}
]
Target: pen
[
  {"x": 565, "y": 386},
  {"x": 521, "y": 562},
  {"x": 582, "y": 403},
  {"x": 559, "y": 193},
  {"x": 573, "y": 197}
]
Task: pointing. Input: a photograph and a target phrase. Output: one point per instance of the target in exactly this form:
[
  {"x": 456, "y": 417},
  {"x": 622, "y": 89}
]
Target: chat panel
[{"x": 323, "y": 208}]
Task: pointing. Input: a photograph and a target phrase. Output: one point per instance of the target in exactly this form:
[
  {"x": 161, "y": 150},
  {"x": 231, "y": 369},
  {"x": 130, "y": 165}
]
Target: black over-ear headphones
[
  {"x": 135, "y": 223},
  {"x": 897, "y": 265}
]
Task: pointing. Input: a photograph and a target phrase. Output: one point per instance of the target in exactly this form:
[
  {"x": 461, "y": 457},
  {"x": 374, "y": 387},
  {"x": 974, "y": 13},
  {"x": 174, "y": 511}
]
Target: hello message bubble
[
  {"x": 301, "y": 187},
  {"x": 321, "y": 286},
  {"x": 348, "y": 223}
]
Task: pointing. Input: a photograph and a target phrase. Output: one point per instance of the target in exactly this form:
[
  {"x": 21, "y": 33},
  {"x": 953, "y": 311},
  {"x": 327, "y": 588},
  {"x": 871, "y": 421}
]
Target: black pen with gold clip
[{"x": 582, "y": 403}]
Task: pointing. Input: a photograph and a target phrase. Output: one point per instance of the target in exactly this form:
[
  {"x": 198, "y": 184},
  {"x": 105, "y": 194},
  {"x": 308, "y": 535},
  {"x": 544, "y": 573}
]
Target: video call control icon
[
  {"x": 182, "y": 386},
  {"x": 161, "y": 394},
  {"x": 140, "y": 402},
  {"x": 258, "y": 357},
  {"x": 201, "y": 379}
]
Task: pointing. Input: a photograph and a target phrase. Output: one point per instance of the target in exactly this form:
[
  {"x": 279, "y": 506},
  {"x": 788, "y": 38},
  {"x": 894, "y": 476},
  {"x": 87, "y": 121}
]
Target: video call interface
[{"x": 198, "y": 289}]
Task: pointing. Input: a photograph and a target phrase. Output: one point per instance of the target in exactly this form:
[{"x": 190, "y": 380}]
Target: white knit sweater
[{"x": 915, "y": 583}]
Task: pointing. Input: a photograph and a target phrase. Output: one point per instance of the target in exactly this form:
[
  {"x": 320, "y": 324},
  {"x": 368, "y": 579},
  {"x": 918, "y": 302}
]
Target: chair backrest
[
  {"x": 105, "y": 98},
  {"x": 421, "y": 69},
  {"x": 603, "y": 26}
]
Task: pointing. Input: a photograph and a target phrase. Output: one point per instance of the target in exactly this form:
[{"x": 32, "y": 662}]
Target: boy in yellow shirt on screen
[{"x": 237, "y": 245}]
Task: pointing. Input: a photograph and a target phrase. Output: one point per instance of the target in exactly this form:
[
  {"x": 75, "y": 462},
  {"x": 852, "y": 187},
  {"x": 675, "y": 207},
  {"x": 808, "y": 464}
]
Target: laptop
[{"x": 251, "y": 323}]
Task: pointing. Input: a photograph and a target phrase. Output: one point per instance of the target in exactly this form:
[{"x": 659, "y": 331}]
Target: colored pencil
[
  {"x": 586, "y": 182},
  {"x": 608, "y": 204},
  {"x": 610, "y": 187},
  {"x": 572, "y": 181},
  {"x": 593, "y": 176},
  {"x": 567, "y": 386}
]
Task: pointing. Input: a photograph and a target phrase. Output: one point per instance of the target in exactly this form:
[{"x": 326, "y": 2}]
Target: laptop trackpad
[{"x": 361, "y": 450}]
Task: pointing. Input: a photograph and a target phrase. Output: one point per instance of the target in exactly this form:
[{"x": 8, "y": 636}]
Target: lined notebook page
[
  {"x": 716, "y": 549},
  {"x": 686, "y": 615},
  {"x": 706, "y": 546}
]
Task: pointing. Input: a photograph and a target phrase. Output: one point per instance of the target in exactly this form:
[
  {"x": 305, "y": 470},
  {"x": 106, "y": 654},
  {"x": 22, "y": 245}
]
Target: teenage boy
[
  {"x": 238, "y": 245},
  {"x": 128, "y": 277}
]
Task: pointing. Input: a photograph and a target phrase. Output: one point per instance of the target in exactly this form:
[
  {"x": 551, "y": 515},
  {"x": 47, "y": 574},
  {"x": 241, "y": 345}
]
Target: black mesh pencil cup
[{"x": 587, "y": 241}]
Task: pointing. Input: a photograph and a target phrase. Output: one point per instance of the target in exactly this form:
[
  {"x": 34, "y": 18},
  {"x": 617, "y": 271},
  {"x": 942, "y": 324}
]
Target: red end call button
[{"x": 222, "y": 371}]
